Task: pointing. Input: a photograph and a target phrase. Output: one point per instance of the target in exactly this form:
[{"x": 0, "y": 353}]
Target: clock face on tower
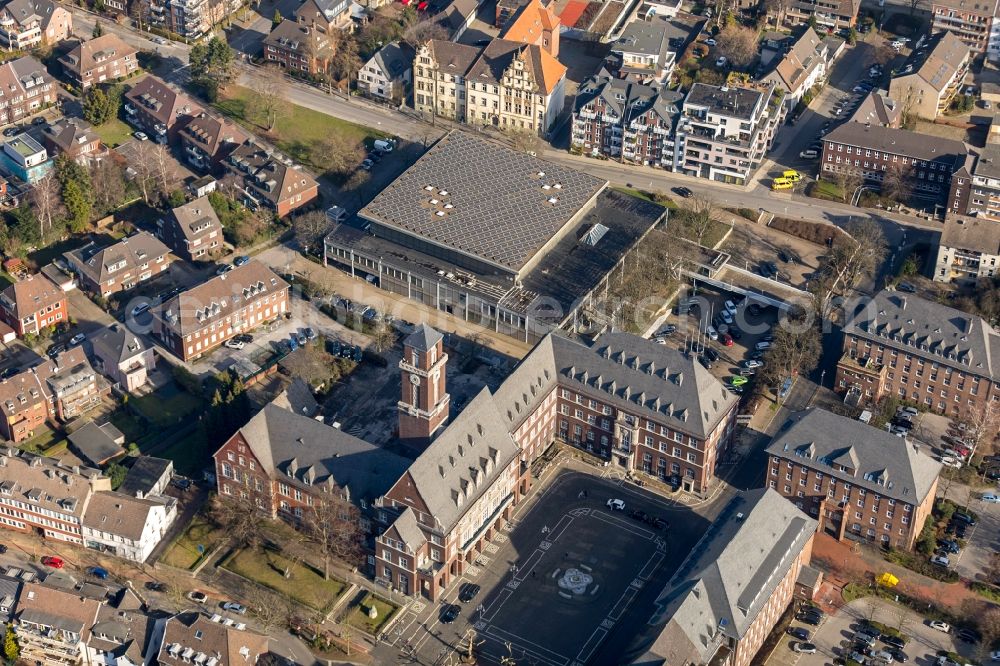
[{"x": 415, "y": 380}]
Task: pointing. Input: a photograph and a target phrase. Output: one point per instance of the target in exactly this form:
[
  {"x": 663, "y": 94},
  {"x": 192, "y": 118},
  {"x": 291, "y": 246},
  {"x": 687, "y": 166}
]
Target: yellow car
[{"x": 792, "y": 175}]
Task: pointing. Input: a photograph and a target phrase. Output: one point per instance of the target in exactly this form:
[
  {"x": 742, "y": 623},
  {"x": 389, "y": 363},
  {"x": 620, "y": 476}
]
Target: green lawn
[
  {"x": 299, "y": 131},
  {"x": 183, "y": 553},
  {"x": 114, "y": 133},
  {"x": 823, "y": 189},
  {"x": 357, "y": 616},
  {"x": 167, "y": 406},
  {"x": 43, "y": 441},
  {"x": 305, "y": 585}
]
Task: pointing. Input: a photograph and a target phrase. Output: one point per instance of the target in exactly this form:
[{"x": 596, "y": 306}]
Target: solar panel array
[{"x": 484, "y": 199}]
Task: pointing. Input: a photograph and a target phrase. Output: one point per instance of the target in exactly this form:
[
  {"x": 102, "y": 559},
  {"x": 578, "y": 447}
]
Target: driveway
[{"x": 833, "y": 636}]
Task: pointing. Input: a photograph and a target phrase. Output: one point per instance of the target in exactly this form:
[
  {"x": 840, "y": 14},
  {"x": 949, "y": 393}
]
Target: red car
[
  {"x": 727, "y": 339},
  {"x": 422, "y": 6},
  {"x": 53, "y": 561}
]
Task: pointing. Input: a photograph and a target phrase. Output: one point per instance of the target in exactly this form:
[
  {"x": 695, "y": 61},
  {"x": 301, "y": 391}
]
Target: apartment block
[
  {"x": 192, "y": 231},
  {"x": 119, "y": 267},
  {"x": 620, "y": 119},
  {"x": 264, "y": 179},
  {"x": 801, "y": 67},
  {"x": 924, "y": 163},
  {"x": 200, "y": 319},
  {"x": 33, "y": 304},
  {"x": 29, "y": 87},
  {"x": 733, "y": 588},
  {"x": 932, "y": 76},
  {"x": 296, "y": 46},
  {"x": 727, "y": 130},
  {"x": 158, "y": 110},
  {"x": 974, "y": 22},
  {"x": 504, "y": 84},
  {"x": 833, "y": 15},
  {"x": 646, "y": 52},
  {"x": 206, "y": 140},
  {"x": 859, "y": 482},
  {"x": 969, "y": 249},
  {"x": 26, "y": 24},
  {"x": 388, "y": 72},
  {"x": 920, "y": 352},
  {"x": 104, "y": 58}
]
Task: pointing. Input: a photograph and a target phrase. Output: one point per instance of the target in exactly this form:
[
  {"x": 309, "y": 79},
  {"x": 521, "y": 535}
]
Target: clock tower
[{"x": 423, "y": 407}]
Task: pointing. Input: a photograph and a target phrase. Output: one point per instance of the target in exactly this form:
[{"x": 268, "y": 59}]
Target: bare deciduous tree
[
  {"x": 164, "y": 166},
  {"x": 341, "y": 154},
  {"x": 526, "y": 141},
  {"x": 45, "y": 199},
  {"x": 848, "y": 181},
  {"x": 108, "y": 182},
  {"x": 333, "y": 525},
  {"x": 271, "y": 610},
  {"x": 383, "y": 336},
  {"x": 896, "y": 183},
  {"x": 422, "y": 32},
  {"x": 795, "y": 350},
  {"x": 310, "y": 228},
  {"x": 983, "y": 424},
  {"x": 240, "y": 518},
  {"x": 144, "y": 166},
  {"x": 738, "y": 45},
  {"x": 270, "y": 90}
]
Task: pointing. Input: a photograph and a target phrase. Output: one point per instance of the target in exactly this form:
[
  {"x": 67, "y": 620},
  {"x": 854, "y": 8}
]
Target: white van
[
  {"x": 384, "y": 146},
  {"x": 809, "y": 154},
  {"x": 761, "y": 346}
]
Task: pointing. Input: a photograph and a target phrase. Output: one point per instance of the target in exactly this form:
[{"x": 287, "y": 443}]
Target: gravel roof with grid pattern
[{"x": 485, "y": 200}]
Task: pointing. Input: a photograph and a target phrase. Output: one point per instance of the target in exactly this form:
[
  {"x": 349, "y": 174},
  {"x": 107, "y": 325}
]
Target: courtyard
[{"x": 567, "y": 582}]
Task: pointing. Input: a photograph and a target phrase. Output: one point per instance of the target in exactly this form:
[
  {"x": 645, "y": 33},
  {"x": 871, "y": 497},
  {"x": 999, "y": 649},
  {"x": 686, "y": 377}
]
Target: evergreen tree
[{"x": 98, "y": 30}]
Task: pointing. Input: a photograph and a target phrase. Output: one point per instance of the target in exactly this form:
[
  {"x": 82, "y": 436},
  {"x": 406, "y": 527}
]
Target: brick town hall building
[{"x": 634, "y": 403}]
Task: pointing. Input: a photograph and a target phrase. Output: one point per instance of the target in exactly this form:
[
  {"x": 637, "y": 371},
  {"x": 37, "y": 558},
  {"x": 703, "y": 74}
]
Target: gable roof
[
  {"x": 802, "y": 59},
  {"x": 729, "y": 576},
  {"x": 68, "y": 611},
  {"x": 394, "y": 59},
  {"x": 644, "y": 377},
  {"x": 97, "y": 444},
  {"x": 267, "y": 175},
  {"x": 68, "y": 133},
  {"x": 195, "y": 218},
  {"x": 144, "y": 474},
  {"x": 307, "y": 453},
  {"x": 877, "y": 108},
  {"x": 189, "y": 635},
  {"x": 25, "y": 11},
  {"x": 499, "y": 55},
  {"x": 452, "y": 57},
  {"x": 22, "y": 73},
  {"x": 621, "y": 94},
  {"x": 462, "y": 463},
  {"x": 897, "y": 141},
  {"x": 87, "y": 55},
  {"x": 212, "y": 134},
  {"x": 118, "y": 513},
  {"x": 116, "y": 344},
  {"x": 875, "y": 459},
  {"x": 943, "y": 58},
  {"x": 929, "y": 330}
]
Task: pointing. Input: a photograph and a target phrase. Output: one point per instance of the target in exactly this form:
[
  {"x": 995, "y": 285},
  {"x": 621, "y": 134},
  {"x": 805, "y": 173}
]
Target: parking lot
[
  {"x": 723, "y": 360},
  {"x": 572, "y": 571},
  {"x": 833, "y": 638}
]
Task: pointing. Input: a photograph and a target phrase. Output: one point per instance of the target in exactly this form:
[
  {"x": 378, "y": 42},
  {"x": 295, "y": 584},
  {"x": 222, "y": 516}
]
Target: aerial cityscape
[{"x": 501, "y": 332}]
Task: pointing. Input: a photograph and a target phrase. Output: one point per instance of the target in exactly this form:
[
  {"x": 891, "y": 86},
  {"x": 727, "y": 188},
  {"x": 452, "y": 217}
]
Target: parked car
[
  {"x": 141, "y": 136},
  {"x": 969, "y": 635},
  {"x": 682, "y": 191},
  {"x": 726, "y": 339},
  {"x": 712, "y": 333},
  {"x": 98, "y": 572},
  {"x": 139, "y": 309},
  {"x": 721, "y": 61},
  {"x": 940, "y": 626},
  {"x": 894, "y": 641},
  {"x": 804, "y": 648},
  {"x": 813, "y": 620},
  {"x": 241, "y": 260},
  {"x": 77, "y": 339},
  {"x": 310, "y": 334},
  {"x": 53, "y": 561},
  {"x": 233, "y": 343},
  {"x": 992, "y": 498},
  {"x": 941, "y": 560},
  {"x": 960, "y": 516},
  {"x": 55, "y": 350},
  {"x": 800, "y": 633},
  {"x": 907, "y": 287},
  {"x": 154, "y": 586},
  {"x": 616, "y": 504},
  {"x": 948, "y": 546},
  {"x": 223, "y": 269},
  {"x": 234, "y": 607},
  {"x": 197, "y": 596},
  {"x": 752, "y": 364},
  {"x": 712, "y": 355},
  {"x": 710, "y": 42},
  {"x": 450, "y": 612},
  {"x": 468, "y": 592}
]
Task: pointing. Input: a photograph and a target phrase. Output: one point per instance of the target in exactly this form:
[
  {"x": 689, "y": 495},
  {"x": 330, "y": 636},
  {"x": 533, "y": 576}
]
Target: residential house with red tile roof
[
  {"x": 104, "y": 58},
  {"x": 33, "y": 304}
]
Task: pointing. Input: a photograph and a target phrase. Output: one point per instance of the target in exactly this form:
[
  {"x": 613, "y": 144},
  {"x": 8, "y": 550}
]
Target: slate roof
[
  {"x": 122, "y": 628},
  {"x": 97, "y": 444},
  {"x": 195, "y": 219},
  {"x": 620, "y": 94},
  {"x": 145, "y": 473},
  {"x": 649, "y": 38},
  {"x": 161, "y": 101},
  {"x": 452, "y": 57},
  {"x": 298, "y": 398},
  {"x": 897, "y": 141},
  {"x": 876, "y": 459},
  {"x": 483, "y": 199},
  {"x": 728, "y": 577},
  {"x": 499, "y": 55},
  {"x": 394, "y": 59},
  {"x": 978, "y": 234},
  {"x": 643, "y": 377},
  {"x": 423, "y": 338},
  {"x": 10, "y": 590},
  {"x": 15, "y": 74},
  {"x": 297, "y": 448},
  {"x": 463, "y": 462},
  {"x": 929, "y": 330},
  {"x": 408, "y": 530},
  {"x": 215, "y": 136},
  {"x": 268, "y": 176},
  {"x": 68, "y": 133},
  {"x": 878, "y": 108},
  {"x": 116, "y": 344}
]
